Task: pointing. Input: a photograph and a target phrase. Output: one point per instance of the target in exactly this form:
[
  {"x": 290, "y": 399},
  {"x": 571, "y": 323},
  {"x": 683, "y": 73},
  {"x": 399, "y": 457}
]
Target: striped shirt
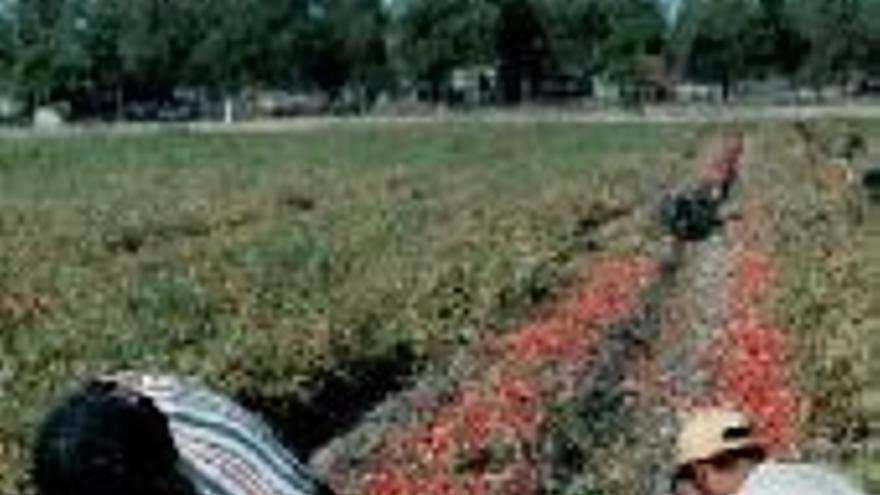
[{"x": 223, "y": 448}]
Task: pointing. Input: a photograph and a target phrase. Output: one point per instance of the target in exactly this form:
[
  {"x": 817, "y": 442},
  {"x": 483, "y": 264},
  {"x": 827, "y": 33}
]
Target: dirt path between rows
[
  {"x": 483, "y": 435},
  {"x": 639, "y": 341},
  {"x": 722, "y": 346}
]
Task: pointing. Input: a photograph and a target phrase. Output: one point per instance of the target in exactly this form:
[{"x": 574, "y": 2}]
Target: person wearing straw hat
[{"x": 718, "y": 453}]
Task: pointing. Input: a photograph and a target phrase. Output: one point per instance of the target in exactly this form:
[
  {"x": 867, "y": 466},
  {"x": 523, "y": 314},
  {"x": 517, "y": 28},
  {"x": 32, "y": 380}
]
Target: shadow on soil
[{"x": 338, "y": 400}]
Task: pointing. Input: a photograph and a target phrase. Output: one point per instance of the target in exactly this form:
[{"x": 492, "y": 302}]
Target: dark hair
[
  {"x": 753, "y": 454},
  {"x": 106, "y": 440}
]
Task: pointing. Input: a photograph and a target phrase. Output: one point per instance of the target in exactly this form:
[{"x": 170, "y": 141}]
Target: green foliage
[
  {"x": 40, "y": 29},
  {"x": 264, "y": 263},
  {"x": 7, "y": 48},
  {"x": 818, "y": 41},
  {"x": 168, "y": 308},
  {"x": 88, "y": 53},
  {"x": 241, "y": 43},
  {"x": 438, "y": 35},
  {"x": 842, "y": 37},
  {"x": 778, "y": 48},
  {"x": 529, "y": 40},
  {"x": 635, "y": 29},
  {"x": 349, "y": 47},
  {"x": 522, "y": 48},
  {"x": 828, "y": 282},
  {"x": 94, "y": 55},
  {"x": 715, "y": 39},
  {"x": 574, "y": 29},
  {"x": 869, "y": 22}
]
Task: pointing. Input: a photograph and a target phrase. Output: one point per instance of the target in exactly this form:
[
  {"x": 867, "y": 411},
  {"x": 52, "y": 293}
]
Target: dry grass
[
  {"x": 294, "y": 269},
  {"x": 827, "y": 237},
  {"x": 278, "y": 265}
]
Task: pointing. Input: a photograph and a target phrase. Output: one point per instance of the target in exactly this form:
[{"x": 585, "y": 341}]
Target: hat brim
[{"x": 728, "y": 447}]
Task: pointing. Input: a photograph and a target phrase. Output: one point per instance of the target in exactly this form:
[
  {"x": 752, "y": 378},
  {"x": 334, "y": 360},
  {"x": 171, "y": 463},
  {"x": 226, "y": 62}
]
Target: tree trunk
[{"x": 120, "y": 104}]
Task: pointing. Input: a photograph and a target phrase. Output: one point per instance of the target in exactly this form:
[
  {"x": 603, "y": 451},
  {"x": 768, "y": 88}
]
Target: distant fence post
[{"x": 228, "y": 110}]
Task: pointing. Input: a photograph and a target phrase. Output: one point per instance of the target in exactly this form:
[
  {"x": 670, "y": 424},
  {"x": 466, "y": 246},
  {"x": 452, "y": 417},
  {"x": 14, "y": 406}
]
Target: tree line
[{"x": 96, "y": 55}]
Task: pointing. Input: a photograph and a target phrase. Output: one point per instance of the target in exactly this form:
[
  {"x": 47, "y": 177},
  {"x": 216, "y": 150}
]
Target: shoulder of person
[
  {"x": 157, "y": 386},
  {"x": 777, "y": 478}
]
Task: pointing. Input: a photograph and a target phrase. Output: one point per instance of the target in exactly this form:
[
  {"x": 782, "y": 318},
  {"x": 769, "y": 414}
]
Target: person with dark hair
[
  {"x": 694, "y": 213},
  {"x": 137, "y": 434},
  {"x": 691, "y": 215},
  {"x": 719, "y": 454}
]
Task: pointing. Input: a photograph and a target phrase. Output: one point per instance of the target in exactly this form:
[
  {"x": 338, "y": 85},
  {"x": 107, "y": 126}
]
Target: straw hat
[{"x": 708, "y": 433}]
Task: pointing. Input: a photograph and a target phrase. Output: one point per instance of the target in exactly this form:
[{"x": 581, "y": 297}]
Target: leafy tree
[
  {"x": 85, "y": 51},
  {"x": 7, "y": 45},
  {"x": 435, "y": 36},
  {"x": 349, "y": 47},
  {"x": 778, "y": 48},
  {"x": 103, "y": 27},
  {"x": 714, "y": 40},
  {"x": 522, "y": 47},
  {"x": 834, "y": 32},
  {"x": 36, "y": 62},
  {"x": 614, "y": 37},
  {"x": 249, "y": 42},
  {"x": 870, "y": 29},
  {"x": 634, "y": 29},
  {"x": 575, "y": 29}
]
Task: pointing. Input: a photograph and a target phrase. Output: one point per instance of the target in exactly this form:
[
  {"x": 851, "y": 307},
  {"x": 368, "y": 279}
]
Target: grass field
[
  {"x": 278, "y": 265},
  {"x": 828, "y": 239},
  {"x": 309, "y": 272}
]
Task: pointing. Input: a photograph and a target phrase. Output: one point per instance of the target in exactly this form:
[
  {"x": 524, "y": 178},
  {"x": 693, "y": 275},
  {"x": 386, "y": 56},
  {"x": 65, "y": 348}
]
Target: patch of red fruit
[
  {"x": 485, "y": 439},
  {"x": 750, "y": 359}
]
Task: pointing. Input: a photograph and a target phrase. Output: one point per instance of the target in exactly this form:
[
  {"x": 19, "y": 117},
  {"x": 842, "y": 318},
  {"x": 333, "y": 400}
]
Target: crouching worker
[
  {"x": 718, "y": 454},
  {"x": 159, "y": 435}
]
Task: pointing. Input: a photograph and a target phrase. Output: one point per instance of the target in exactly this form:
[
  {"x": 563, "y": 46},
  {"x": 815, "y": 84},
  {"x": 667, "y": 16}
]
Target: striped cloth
[{"x": 223, "y": 448}]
